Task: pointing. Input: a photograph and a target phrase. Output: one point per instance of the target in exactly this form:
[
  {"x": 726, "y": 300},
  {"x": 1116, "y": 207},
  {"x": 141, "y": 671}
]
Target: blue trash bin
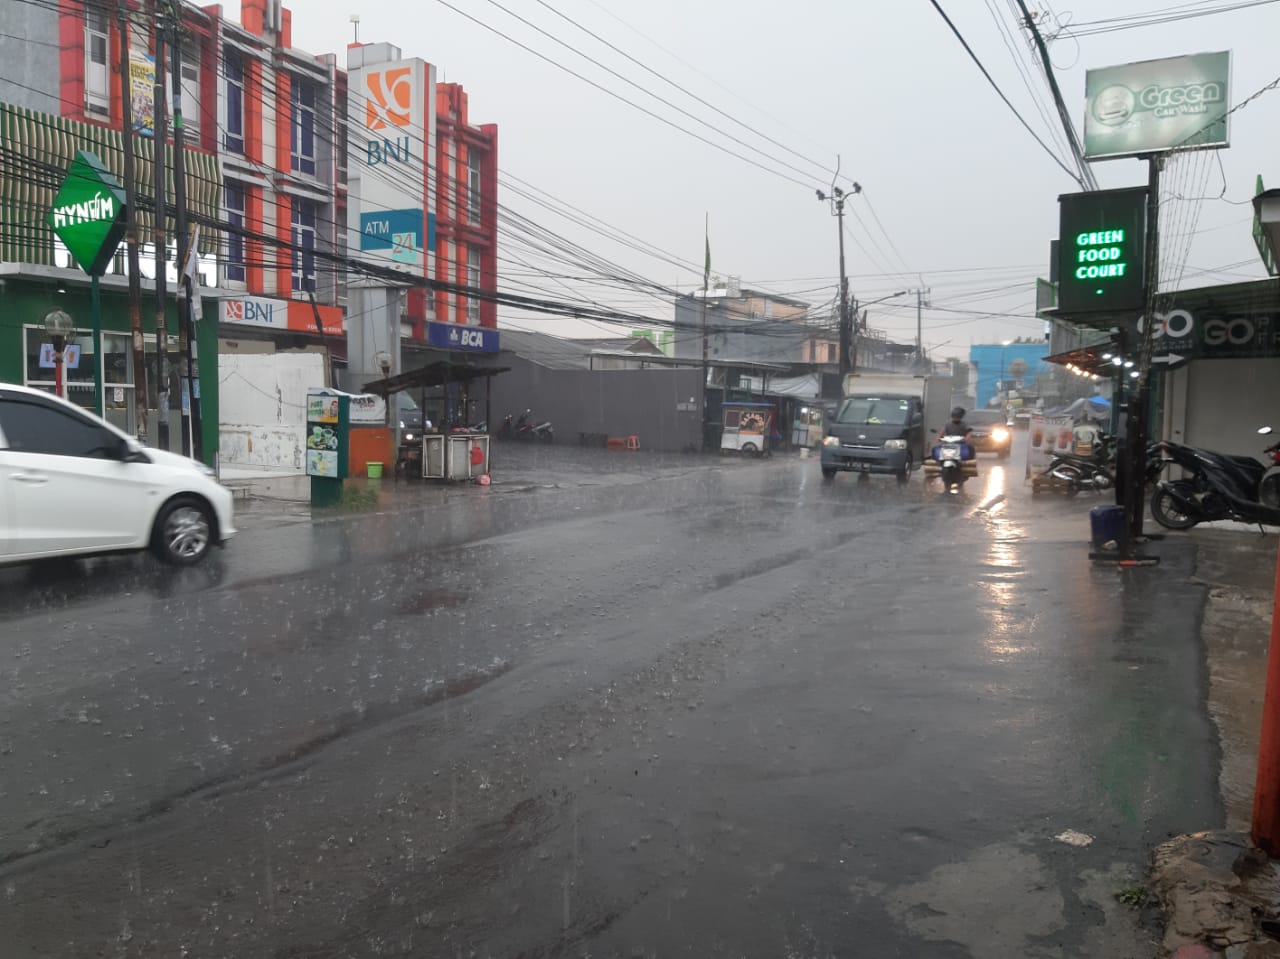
[{"x": 1106, "y": 525}]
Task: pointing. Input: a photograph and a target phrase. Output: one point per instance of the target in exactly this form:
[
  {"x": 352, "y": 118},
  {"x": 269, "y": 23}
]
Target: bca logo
[
  {"x": 472, "y": 338},
  {"x": 389, "y": 98}
]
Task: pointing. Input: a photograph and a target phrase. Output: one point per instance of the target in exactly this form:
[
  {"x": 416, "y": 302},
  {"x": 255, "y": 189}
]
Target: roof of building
[
  {"x": 563, "y": 353},
  {"x": 553, "y": 352}
]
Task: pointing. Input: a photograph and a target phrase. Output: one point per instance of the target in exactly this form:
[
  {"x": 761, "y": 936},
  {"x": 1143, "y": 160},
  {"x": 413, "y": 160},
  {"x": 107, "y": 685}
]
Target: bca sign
[
  {"x": 451, "y": 336},
  {"x": 1180, "y": 335}
]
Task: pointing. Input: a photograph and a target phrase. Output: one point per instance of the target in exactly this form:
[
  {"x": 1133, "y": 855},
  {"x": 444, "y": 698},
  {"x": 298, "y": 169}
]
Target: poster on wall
[
  {"x": 142, "y": 85},
  {"x": 1048, "y": 436}
]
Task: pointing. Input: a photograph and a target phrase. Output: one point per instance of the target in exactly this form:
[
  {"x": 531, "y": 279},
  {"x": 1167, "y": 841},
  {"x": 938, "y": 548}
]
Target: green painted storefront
[
  {"x": 36, "y": 276},
  {"x": 25, "y": 301}
]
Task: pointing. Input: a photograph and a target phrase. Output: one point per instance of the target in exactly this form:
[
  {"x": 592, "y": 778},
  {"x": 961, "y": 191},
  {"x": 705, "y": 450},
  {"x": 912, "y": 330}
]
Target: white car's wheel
[{"x": 183, "y": 532}]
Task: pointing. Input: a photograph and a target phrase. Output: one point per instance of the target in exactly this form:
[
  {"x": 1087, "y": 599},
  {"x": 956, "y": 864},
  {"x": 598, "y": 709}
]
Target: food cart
[
  {"x": 748, "y": 427},
  {"x": 454, "y": 451}
]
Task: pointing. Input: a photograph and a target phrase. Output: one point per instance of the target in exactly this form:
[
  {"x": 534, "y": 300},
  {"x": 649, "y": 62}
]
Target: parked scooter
[
  {"x": 1219, "y": 486},
  {"x": 1098, "y": 470},
  {"x": 1095, "y": 471}
]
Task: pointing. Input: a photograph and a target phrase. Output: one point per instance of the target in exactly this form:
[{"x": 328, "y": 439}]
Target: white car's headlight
[
  {"x": 895, "y": 444},
  {"x": 204, "y": 470},
  {"x": 999, "y": 434},
  {"x": 831, "y": 441},
  {"x": 402, "y": 424}
]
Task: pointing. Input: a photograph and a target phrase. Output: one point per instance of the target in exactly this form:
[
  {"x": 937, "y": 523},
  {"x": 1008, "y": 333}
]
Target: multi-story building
[{"x": 267, "y": 132}]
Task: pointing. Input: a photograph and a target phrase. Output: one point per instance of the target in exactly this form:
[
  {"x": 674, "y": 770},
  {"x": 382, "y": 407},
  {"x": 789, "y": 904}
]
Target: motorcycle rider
[{"x": 956, "y": 426}]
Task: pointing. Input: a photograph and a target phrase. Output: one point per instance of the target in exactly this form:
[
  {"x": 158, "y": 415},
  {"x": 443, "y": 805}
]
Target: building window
[
  {"x": 191, "y": 95},
  {"x": 233, "y": 269},
  {"x": 302, "y": 140},
  {"x": 97, "y": 62},
  {"x": 831, "y": 352},
  {"x": 304, "y": 238},
  {"x": 473, "y": 280},
  {"x": 473, "y": 187},
  {"x": 233, "y": 77}
]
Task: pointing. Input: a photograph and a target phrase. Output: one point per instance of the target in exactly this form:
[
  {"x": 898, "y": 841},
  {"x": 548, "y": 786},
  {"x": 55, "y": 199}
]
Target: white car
[{"x": 72, "y": 484}]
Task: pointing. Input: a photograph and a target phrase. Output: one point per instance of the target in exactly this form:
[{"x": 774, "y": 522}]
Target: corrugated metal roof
[{"x": 553, "y": 352}]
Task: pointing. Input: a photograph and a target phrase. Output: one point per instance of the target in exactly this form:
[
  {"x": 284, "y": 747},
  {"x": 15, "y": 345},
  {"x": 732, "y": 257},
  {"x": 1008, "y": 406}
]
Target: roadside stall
[
  {"x": 454, "y": 451},
  {"x": 748, "y": 427}
]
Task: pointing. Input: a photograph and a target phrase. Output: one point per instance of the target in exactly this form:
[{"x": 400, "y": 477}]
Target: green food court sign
[
  {"x": 88, "y": 213},
  {"x": 1101, "y": 251}
]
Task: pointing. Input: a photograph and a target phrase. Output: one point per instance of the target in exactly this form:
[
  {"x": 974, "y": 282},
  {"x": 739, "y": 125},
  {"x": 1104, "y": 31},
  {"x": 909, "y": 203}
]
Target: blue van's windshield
[{"x": 871, "y": 410}]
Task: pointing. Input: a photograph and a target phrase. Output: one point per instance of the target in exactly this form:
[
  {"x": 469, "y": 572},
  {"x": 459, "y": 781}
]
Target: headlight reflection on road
[{"x": 1001, "y": 573}]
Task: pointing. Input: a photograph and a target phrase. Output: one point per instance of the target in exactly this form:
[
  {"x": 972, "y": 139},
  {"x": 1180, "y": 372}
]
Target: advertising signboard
[
  {"x": 273, "y": 314},
  {"x": 142, "y": 93},
  {"x": 1047, "y": 436},
  {"x": 1102, "y": 240},
  {"x": 452, "y": 336},
  {"x": 1185, "y": 334},
  {"x": 391, "y": 123},
  {"x": 1260, "y": 235},
  {"x": 326, "y": 439},
  {"x": 1157, "y": 105},
  {"x": 88, "y": 213}
]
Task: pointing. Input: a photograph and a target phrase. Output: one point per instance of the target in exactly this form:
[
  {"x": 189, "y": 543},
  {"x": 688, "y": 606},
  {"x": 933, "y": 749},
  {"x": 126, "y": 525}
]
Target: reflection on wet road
[{"x": 669, "y": 707}]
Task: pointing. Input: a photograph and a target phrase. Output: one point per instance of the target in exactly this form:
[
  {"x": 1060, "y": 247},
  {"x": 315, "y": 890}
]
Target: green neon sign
[
  {"x": 1101, "y": 248},
  {"x": 88, "y": 213}
]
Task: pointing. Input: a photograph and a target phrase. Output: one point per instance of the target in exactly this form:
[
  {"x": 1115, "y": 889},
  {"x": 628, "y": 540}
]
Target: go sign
[
  {"x": 1180, "y": 335},
  {"x": 1101, "y": 248}
]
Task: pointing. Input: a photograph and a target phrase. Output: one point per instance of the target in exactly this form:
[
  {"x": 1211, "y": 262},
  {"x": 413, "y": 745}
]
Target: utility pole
[
  {"x": 158, "y": 143},
  {"x": 140, "y": 400},
  {"x": 922, "y": 300},
  {"x": 1086, "y": 172},
  {"x": 706, "y": 365},
  {"x": 848, "y": 345},
  {"x": 188, "y": 351}
]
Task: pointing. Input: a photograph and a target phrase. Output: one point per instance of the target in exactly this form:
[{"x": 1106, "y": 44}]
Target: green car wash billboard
[{"x": 1157, "y": 105}]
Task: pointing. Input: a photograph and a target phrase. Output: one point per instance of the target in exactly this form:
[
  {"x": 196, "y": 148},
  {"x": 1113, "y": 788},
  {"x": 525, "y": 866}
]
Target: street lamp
[
  {"x": 59, "y": 326},
  {"x": 863, "y": 306}
]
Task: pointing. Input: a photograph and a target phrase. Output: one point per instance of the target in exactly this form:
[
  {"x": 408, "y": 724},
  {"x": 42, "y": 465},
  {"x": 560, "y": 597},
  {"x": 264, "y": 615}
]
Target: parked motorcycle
[
  {"x": 1098, "y": 470},
  {"x": 1269, "y": 486},
  {"x": 1095, "y": 471},
  {"x": 1219, "y": 486}
]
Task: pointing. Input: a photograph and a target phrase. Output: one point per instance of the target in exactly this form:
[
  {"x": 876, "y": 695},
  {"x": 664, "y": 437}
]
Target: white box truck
[{"x": 882, "y": 423}]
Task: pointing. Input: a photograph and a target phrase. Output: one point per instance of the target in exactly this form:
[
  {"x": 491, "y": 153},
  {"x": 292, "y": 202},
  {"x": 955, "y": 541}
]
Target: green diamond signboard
[
  {"x": 1101, "y": 250},
  {"x": 88, "y": 213}
]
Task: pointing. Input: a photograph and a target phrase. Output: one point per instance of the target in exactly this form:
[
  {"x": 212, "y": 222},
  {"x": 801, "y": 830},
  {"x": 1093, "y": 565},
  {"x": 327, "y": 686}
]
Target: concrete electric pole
[{"x": 848, "y": 360}]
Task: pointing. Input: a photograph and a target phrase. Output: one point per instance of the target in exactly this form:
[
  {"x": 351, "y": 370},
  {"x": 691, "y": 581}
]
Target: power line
[{"x": 974, "y": 57}]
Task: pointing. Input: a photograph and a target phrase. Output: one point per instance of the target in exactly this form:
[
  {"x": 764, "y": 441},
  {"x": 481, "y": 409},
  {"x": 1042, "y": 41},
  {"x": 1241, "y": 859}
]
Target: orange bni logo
[
  {"x": 389, "y": 98},
  {"x": 235, "y": 309}
]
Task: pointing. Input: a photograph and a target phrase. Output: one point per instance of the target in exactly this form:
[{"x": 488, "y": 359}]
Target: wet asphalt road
[{"x": 619, "y": 706}]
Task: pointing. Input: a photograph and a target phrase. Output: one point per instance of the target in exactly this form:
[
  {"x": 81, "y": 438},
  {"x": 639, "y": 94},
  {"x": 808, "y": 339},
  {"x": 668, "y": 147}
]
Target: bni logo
[{"x": 388, "y": 98}]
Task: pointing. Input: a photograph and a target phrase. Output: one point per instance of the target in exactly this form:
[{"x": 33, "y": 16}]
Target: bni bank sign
[{"x": 391, "y": 124}]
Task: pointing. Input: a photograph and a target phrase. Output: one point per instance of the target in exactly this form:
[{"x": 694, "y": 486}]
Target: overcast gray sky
[{"x": 965, "y": 195}]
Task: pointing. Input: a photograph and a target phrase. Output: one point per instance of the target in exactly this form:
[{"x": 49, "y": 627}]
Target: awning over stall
[{"x": 433, "y": 374}]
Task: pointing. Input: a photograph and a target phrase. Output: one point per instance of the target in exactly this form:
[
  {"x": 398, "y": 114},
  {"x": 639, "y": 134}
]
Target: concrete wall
[
  {"x": 1219, "y": 404},
  {"x": 35, "y": 64},
  {"x": 263, "y": 407},
  {"x": 643, "y": 403}
]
